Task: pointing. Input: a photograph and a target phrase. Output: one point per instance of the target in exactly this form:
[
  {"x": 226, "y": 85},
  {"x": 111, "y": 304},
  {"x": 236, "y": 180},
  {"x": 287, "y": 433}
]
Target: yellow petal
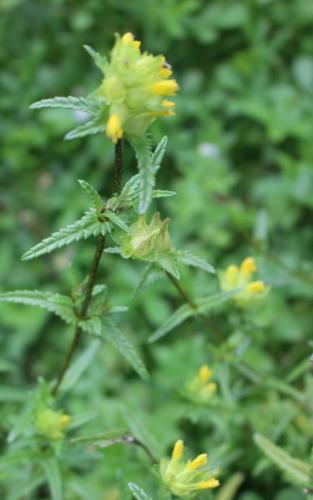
[
  {"x": 205, "y": 485},
  {"x": 168, "y": 104},
  {"x": 114, "y": 128},
  {"x": 210, "y": 388},
  {"x": 248, "y": 267},
  {"x": 198, "y": 462},
  {"x": 205, "y": 373},
  {"x": 178, "y": 450},
  {"x": 127, "y": 38},
  {"x": 165, "y": 72},
  {"x": 164, "y": 87},
  {"x": 136, "y": 44},
  {"x": 256, "y": 287}
]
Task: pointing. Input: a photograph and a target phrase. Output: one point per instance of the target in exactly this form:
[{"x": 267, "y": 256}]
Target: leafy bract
[
  {"x": 202, "y": 305},
  {"x": 88, "y": 225},
  {"x": 61, "y": 305},
  {"x": 88, "y": 105},
  {"x": 297, "y": 470},
  {"x": 138, "y": 492}
]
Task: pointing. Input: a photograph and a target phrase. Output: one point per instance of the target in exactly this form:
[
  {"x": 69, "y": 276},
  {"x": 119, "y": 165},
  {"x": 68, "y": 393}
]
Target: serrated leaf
[
  {"x": 61, "y": 305},
  {"x": 151, "y": 274},
  {"x": 88, "y": 105},
  {"x": 98, "y": 59},
  {"x": 91, "y": 127},
  {"x": 296, "y": 469},
  {"x": 194, "y": 261},
  {"x": 79, "y": 366},
  {"x": 146, "y": 176},
  {"x": 162, "y": 193},
  {"x": 138, "y": 492},
  {"x": 116, "y": 219},
  {"x": 123, "y": 344},
  {"x": 185, "y": 311},
  {"x": 158, "y": 154},
  {"x": 88, "y": 225},
  {"x": 93, "y": 195},
  {"x": 53, "y": 475}
]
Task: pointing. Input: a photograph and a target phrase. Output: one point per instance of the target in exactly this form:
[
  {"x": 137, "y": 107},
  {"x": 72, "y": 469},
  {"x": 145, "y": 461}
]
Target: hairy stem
[
  {"x": 92, "y": 273},
  {"x": 189, "y": 301}
]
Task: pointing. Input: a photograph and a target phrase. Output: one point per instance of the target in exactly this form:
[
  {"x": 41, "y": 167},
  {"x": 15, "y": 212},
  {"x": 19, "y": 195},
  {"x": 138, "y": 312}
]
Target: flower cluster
[
  {"x": 135, "y": 86},
  {"x": 241, "y": 278},
  {"x": 147, "y": 241},
  {"x": 186, "y": 479},
  {"x": 200, "y": 389},
  {"x": 50, "y": 423}
]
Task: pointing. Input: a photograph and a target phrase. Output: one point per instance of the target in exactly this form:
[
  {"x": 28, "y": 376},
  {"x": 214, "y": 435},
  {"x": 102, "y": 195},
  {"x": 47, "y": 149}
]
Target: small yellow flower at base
[
  {"x": 198, "y": 389},
  {"x": 186, "y": 479},
  {"x": 205, "y": 373},
  {"x": 168, "y": 104},
  {"x": 256, "y": 287},
  {"x": 178, "y": 450},
  {"x": 248, "y": 267},
  {"x": 50, "y": 424},
  {"x": 249, "y": 292},
  {"x": 210, "y": 484},
  {"x": 165, "y": 87},
  {"x": 165, "y": 72},
  {"x": 198, "y": 462},
  {"x": 114, "y": 129}
]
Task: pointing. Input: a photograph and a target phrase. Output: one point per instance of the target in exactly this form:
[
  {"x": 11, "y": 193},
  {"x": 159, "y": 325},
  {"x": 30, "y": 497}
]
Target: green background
[{"x": 239, "y": 156}]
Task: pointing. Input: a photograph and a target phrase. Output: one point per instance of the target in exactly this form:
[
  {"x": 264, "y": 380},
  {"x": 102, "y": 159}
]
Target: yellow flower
[
  {"x": 133, "y": 88},
  {"x": 50, "y": 423},
  {"x": 114, "y": 129},
  {"x": 241, "y": 278},
  {"x": 185, "y": 479},
  {"x": 199, "y": 389}
]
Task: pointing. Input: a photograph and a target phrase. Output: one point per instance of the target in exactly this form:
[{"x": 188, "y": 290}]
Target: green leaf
[
  {"x": 88, "y": 225},
  {"x": 53, "y": 474},
  {"x": 162, "y": 193},
  {"x": 138, "y": 492},
  {"x": 87, "y": 105},
  {"x": 98, "y": 59},
  {"x": 158, "y": 154},
  {"x": 93, "y": 195},
  {"x": 203, "y": 305},
  {"x": 230, "y": 488},
  {"x": 146, "y": 177},
  {"x": 122, "y": 343},
  {"x": 80, "y": 365},
  {"x": 151, "y": 274},
  {"x": 194, "y": 261},
  {"x": 297, "y": 470},
  {"x": 92, "y": 127},
  {"x": 116, "y": 219},
  {"x": 61, "y": 305}
]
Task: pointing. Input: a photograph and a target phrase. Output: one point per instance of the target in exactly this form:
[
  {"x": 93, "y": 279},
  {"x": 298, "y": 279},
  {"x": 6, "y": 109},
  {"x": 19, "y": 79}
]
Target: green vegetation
[{"x": 166, "y": 349}]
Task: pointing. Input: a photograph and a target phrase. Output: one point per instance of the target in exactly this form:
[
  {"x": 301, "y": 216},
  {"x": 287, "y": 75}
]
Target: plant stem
[
  {"x": 92, "y": 273},
  {"x": 188, "y": 300}
]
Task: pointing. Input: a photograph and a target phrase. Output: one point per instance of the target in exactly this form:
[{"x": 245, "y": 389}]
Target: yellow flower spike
[
  {"x": 205, "y": 373},
  {"x": 178, "y": 450},
  {"x": 256, "y": 287},
  {"x": 164, "y": 87},
  {"x": 127, "y": 38},
  {"x": 198, "y": 462},
  {"x": 114, "y": 128},
  {"x": 168, "y": 104},
  {"x": 248, "y": 267},
  {"x": 205, "y": 485}
]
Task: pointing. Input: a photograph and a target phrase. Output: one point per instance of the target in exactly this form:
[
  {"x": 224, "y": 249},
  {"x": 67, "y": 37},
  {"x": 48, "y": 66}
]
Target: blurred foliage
[{"x": 240, "y": 157}]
